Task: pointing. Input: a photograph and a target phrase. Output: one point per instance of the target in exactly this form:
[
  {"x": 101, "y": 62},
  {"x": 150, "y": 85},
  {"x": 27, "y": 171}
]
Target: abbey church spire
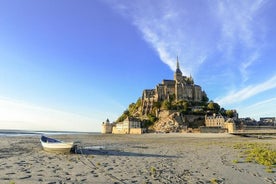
[
  {"x": 177, "y": 67},
  {"x": 177, "y": 63},
  {"x": 178, "y": 73}
]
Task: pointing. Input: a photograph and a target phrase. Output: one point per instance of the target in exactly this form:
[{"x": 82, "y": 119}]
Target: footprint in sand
[
  {"x": 25, "y": 177},
  {"x": 5, "y": 179},
  {"x": 8, "y": 166},
  {"x": 11, "y": 173},
  {"x": 41, "y": 175}
]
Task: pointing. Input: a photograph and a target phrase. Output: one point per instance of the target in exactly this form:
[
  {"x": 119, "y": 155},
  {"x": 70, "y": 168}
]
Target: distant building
[
  {"x": 248, "y": 122},
  {"x": 181, "y": 88},
  {"x": 214, "y": 120},
  {"x": 107, "y": 127},
  {"x": 230, "y": 125},
  {"x": 129, "y": 126},
  {"x": 267, "y": 121},
  {"x": 220, "y": 123}
]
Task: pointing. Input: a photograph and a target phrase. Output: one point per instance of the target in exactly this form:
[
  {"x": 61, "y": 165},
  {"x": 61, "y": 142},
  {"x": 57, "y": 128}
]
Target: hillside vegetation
[{"x": 172, "y": 116}]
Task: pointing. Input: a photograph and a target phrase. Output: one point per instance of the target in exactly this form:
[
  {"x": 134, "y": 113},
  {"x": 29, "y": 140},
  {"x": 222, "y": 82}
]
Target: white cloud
[
  {"x": 194, "y": 33},
  {"x": 241, "y": 30},
  {"x": 238, "y": 20},
  {"x": 246, "y": 64},
  {"x": 265, "y": 108},
  {"x": 247, "y": 92},
  {"x": 172, "y": 30}
]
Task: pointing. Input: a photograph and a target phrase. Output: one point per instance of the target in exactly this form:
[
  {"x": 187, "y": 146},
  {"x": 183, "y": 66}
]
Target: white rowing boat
[{"x": 54, "y": 145}]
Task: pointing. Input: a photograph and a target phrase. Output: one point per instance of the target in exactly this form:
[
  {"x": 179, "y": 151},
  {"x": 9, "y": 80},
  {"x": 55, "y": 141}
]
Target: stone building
[
  {"x": 219, "y": 122},
  {"x": 267, "y": 121},
  {"x": 107, "y": 127},
  {"x": 181, "y": 88},
  {"x": 216, "y": 120},
  {"x": 230, "y": 125},
  {"x": 129, "y": 126}
]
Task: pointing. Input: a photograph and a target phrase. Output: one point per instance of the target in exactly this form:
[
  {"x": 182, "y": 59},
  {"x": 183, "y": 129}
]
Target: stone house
[
  {"x": 129, "y": 126},
  {"x": 216, "y": 120}
]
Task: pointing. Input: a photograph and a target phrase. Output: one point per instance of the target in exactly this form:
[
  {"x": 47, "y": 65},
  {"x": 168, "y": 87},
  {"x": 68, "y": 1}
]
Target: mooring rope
[{"x": 94, "y": 166}]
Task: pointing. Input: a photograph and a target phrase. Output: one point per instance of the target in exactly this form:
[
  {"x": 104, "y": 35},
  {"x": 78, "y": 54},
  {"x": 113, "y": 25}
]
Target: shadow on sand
[{"x": 113, "y": 152}]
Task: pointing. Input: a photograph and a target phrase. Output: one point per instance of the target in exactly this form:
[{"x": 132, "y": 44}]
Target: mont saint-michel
[
  {"x": 181, "y": 89},
  {"x": 174, "y": 105}
]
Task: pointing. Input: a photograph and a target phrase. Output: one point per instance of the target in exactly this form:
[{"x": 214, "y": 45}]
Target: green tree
[
  {"x": 172, "y": 97},
  {"x": 157, "y": 105},
  {"x": 123, "y": 116},
  {"x": 138, "y": 102},
  {"x": 131, "y": 108},
  {"x": 230, "y": 113},
  {"x": 166, "y": 105},
  {"x": 215, "y": 107},
  {"x": 204, "y": 97},
  {"x": 222, "y": 111},
  {"x": 152, "y": 118}
]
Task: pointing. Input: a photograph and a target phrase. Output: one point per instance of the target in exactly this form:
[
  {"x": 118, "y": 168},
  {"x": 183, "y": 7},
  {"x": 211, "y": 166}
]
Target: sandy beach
[{"x": 147, "y": 158}]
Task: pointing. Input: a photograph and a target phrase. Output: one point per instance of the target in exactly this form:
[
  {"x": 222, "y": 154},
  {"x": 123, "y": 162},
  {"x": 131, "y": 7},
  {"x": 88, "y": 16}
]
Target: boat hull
[
  {"x": 64, "y": 147},
  {"x": 54, "y": 145}
]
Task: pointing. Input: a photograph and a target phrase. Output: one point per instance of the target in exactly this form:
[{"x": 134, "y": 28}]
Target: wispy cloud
[
  {"x": 195, "y": 33},
  {"x": 238, "y": 20},
  {"x": 172, "y": 30},
  {"x": 241, "y": 30},
  {"x": 247, "y": 92},
  {"x": 259, "y": 109},
  {"x": 246, "y": 64}
]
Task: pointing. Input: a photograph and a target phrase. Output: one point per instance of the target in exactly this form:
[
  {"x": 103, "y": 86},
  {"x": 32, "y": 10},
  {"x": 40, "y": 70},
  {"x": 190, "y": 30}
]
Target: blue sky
[{"x": 69, "y": 65}]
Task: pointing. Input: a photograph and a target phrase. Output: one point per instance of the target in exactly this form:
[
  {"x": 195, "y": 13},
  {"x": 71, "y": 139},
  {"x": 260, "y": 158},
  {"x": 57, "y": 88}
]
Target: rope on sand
[
  {"x": 87, "y": 161},
  {"x": 94, "y": 166}
]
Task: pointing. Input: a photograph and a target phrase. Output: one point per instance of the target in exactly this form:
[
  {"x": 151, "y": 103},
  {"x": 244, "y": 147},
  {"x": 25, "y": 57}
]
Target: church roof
[
  {"x": 177, "y": 67},
  {"x": 178, "y": 70}
]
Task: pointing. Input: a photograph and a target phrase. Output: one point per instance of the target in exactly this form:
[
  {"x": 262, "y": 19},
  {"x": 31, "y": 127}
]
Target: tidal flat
[{"x": 147, "y": 158}]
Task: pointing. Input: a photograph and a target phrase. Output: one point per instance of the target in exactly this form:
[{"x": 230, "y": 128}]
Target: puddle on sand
[{"x": 95, "y": 147}]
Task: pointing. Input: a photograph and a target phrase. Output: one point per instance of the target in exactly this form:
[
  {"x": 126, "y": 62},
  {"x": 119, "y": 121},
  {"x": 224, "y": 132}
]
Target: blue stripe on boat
[{"x": 48, "y": 139}]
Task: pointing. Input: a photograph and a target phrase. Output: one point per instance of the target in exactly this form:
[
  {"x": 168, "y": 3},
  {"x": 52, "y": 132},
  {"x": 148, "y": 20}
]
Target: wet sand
[{"x": 147, "y": 158}]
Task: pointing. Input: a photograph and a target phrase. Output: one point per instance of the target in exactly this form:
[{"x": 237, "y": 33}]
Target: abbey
[{"x": 181, "y": 88}]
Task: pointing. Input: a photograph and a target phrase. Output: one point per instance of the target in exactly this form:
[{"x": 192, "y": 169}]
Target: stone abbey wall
[{"x": 181, "y": 88}]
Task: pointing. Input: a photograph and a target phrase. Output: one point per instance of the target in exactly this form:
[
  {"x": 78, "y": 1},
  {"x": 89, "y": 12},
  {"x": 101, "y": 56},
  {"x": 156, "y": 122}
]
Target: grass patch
[
  {"x": 214, "y": 181},
  {"x": 235, "y": 161},
  {"x": 269, "y": 170},
  {"x": 91, "y": 156},
  {"x": 153, "y": 170},
  {"x": 258, "y": 153}
]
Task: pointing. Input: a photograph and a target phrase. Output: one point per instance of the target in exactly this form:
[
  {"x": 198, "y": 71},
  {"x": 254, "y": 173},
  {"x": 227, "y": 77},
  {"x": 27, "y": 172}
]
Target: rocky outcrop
[
  {"x": 169, "y": 121},
  {"x": 174, "y": 121}
]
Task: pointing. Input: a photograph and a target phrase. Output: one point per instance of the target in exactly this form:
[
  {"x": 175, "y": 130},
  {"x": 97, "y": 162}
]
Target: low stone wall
[
  {"x": 259, "y": 127},
  {"x": 116, "y": 131},
  {"x": 136, "y": 131},
  {"x": 212, "y": 130},
  {"x": 126, "y": 131}
]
